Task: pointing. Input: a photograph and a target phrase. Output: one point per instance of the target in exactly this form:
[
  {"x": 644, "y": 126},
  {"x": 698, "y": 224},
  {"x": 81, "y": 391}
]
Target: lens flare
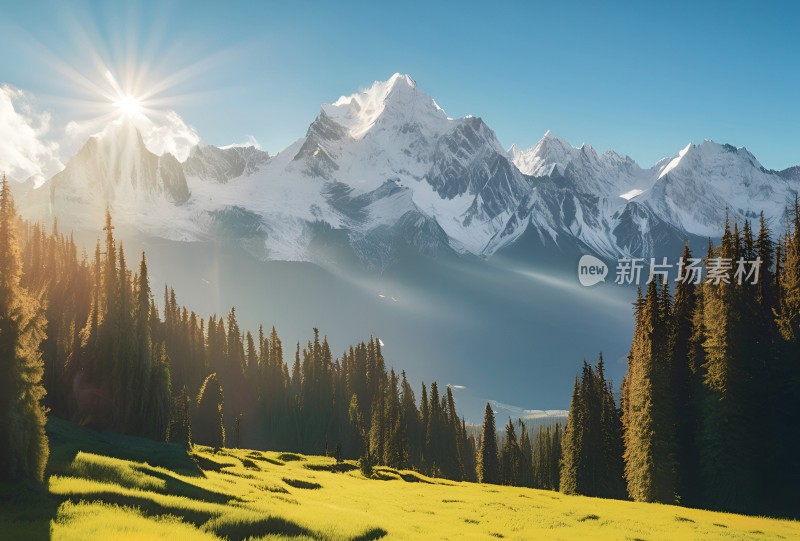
[
  {"x": 124, "y": 70},
  {"x": 128, "y": 105},
  {"x": 125, "y": 103}
]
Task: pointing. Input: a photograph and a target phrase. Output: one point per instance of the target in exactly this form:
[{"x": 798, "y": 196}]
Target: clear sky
[{"x": 644, "y": 78}]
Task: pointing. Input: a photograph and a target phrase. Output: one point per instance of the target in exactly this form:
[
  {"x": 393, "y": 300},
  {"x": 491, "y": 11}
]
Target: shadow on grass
[
  {"x": 273, "y": 488},
  {"x": 289, "y": 457},
  {"x": 258, "y": 456},
  {"x": 67, "y": 439},
  {"x": 371, "y": 535},
  {"x": 238, "y": 531},
  {"x": 299, "y": 483},
  {"x": 26, "y": 510},
  {"x": 340, "y": 467},
  {"x": 414, "y": 478},
  {"x": 176, "y": 487},
  {"x": 240, "y": 474},
  {"x": 146, "y": 505},
  {"x": 208, "y": 464},
  {"x": 249, "y": 464},
  {"x": 273, "y": 461}
]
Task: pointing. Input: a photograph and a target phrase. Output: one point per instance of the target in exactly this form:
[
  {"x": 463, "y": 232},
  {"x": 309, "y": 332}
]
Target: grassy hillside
[{"x": 107, "y": 486}]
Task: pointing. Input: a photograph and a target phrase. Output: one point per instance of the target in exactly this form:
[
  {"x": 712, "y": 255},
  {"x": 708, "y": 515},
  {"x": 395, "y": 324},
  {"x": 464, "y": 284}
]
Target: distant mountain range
[{"x": 385, "y": 170}]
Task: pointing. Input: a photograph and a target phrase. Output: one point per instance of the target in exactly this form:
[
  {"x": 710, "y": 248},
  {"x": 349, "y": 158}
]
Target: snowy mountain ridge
[{"x": 388, "y": 170}]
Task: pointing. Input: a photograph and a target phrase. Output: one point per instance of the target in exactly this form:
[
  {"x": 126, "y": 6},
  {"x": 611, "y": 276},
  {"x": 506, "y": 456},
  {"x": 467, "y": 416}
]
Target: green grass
[{"x": 107, "y": 486}]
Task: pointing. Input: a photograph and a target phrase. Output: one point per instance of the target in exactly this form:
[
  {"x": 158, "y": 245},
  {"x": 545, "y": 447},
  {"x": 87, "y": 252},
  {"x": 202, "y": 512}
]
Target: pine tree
[
  {"x": 208, "y": 427},
  {"x": 511, "y": 458},
  {"x": 251, "y": 357},
  {"x": 590, "y": 467},
  {"x": 526, "y": 456},
  {"x": 454, "y": 446},
  {"x": 356, "y": 418},
  {"x": 297, "y": 377},
  {"x": 411, "y": 423},
  {"x": 378, "y": 425},
  {"x": 788, "y": 317},
  {"x": 648, "y": 426},
  {"x": 109, "y": 330},
  {"x": 435, "y": 433},
  {"x": 122, "y": 355},
  {"x": 180, "y": 423},
  {"x": 129, "y": 403},
  {"x": 572, "y": 443},
  {"x": 470, "y": 453},
  {"x": 396, "y": 449},
  {"x": 684, "y": 379},
  {"x": 611, "y": 481},
  {"x": 554, "y": 454},
  {"x": 785, "y": 381},
  {"x": 23, "y": 443},
  {"x": 488, "y": 467},
  {"x": 724, "y": 438},
  {"x": 139, "y": 384},
  {"x": 591, "y": 449},
  {"x": 425, "y": 418},
  {"x": 157, "y": 412},
  {"x": 541, "y": 458}
]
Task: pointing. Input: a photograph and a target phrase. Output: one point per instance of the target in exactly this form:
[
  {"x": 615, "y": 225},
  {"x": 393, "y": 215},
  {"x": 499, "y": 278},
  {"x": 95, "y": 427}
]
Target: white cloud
[
  {"x": 162, "y": 132},
  {"x": 525, "y": 414},
  {"x": 75, "y": 129},
  {"x": 25, "y": 152},
  {"x": 168, "y": 134}
]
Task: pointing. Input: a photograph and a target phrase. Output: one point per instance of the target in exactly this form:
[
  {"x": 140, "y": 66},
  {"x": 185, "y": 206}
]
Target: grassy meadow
[{"x": 107, "y": 486}]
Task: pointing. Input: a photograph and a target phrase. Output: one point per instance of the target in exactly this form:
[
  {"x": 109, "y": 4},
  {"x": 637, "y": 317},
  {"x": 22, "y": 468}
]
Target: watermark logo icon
[{"x": 591, "y": 270}]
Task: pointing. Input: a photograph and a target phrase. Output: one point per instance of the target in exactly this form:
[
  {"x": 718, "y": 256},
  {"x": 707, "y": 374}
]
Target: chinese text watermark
[{"x": 634, "y": 271}]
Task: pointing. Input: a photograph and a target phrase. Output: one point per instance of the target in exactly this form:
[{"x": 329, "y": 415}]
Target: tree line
[
  {"x": 709, "y": 412},
  {"x": 91, "y": 345},
  {"x": 521, "y": 461}
]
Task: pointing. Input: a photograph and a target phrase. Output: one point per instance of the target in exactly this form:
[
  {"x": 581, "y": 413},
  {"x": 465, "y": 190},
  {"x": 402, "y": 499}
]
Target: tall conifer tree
[
  {"x": 23, "y": 443},
  {"x": 648, "y": 424},
  {"x": 488, "y": 466}
]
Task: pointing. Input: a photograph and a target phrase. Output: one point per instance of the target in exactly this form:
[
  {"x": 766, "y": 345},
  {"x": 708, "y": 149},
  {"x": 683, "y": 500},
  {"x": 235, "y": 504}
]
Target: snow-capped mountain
[
  {"x": 693, "y": 190},
  {"x": 386, "y": 170},
  {"x": 612, "y": 206},
  {"x": 114, "y": 167},
  {"x": 224, "y": 164},
  {"x": 390, "y": 160},
  {"x": 550, "y": 155}
]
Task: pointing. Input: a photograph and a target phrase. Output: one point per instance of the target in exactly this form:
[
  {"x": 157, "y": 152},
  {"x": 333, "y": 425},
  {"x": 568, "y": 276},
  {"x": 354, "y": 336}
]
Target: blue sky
[{"x": 644, "y": 78}]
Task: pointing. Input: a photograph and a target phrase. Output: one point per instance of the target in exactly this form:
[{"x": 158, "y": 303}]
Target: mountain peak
[
  {"x": 120, "y": 133},
  {"x": 401, "y": 79},
  {"x": 709, "y": 154},
  {"x": 398, "y": 97},
  {"x": 224, "y": 163},
  {"x": 550, "y": 136},
  {"x": 549, "y": 152}
]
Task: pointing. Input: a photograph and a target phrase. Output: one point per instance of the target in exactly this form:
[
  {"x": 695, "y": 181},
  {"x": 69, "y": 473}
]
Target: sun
[{"x": 128, "y": 105}]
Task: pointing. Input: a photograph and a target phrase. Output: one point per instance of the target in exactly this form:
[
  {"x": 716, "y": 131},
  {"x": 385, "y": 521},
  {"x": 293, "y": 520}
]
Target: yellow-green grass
[{"x": 114, "y": 487}]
